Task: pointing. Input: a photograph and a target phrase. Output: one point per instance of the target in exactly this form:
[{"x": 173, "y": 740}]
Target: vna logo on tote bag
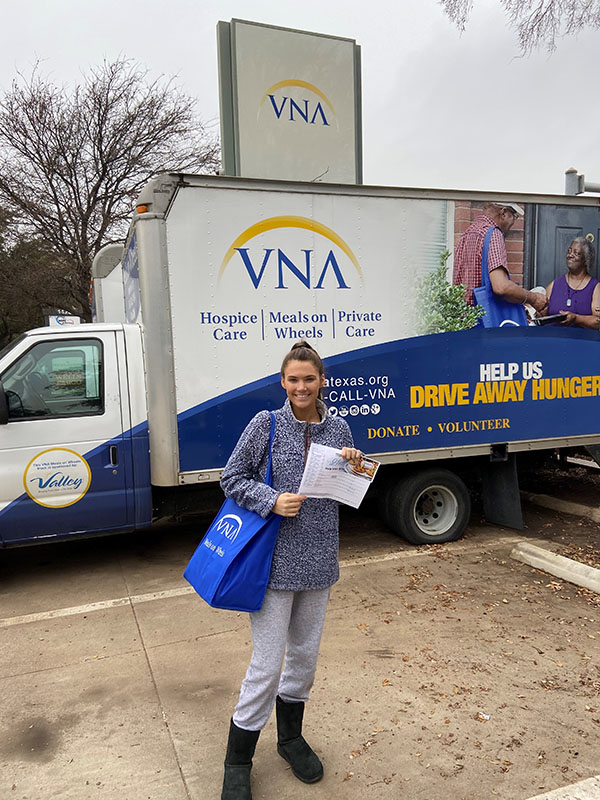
[
  {"x": 231, "y": 566},
  {"x": 229, "y": 525}
]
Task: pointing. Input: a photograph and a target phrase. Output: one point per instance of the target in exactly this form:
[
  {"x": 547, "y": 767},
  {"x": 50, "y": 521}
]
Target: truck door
[{"x": 63, "y": 461}]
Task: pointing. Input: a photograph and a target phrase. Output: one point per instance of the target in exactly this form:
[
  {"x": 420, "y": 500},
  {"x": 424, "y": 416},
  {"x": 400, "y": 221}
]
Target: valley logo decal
[{"x": 57, "y": 478}]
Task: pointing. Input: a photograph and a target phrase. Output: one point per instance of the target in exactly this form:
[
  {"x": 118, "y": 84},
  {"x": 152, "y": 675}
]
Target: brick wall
[{"x": 465, "y": 211}]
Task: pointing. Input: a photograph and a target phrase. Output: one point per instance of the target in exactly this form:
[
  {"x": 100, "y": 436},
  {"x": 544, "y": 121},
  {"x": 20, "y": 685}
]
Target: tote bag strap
[
  {"x": 485, "y": 275},
  {"x": 269, "y": 474}
]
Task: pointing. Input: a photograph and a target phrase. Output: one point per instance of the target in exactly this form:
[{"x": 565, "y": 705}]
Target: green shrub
[{"x": 441, "y": 307}]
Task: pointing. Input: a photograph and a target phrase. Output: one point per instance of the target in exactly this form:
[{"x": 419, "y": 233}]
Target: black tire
[
  {"x": 384, "y": 485},
  {"x": 429, "y": 507}
]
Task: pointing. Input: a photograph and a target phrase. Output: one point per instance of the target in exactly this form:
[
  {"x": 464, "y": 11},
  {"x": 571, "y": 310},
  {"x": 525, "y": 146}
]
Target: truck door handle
[{"x": 114, "y": 460}]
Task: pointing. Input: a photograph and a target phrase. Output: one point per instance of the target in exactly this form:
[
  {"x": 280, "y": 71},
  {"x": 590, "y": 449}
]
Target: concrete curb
[
  {"x": 566, "y": 568},
  {"x": 584, "y": 790},
  {"x": 565, "y": 506}
]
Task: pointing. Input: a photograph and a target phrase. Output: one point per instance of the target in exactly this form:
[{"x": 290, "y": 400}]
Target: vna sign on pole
[{"x": 290, "y": 104}]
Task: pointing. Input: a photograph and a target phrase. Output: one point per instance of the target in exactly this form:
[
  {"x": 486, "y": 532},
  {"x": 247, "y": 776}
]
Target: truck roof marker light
[
  {"x": 272, "y": 223},
  {"x": 141, "y": 209}
]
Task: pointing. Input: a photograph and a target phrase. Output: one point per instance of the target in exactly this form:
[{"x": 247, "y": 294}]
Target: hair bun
[{"x": 301, "y": 343}]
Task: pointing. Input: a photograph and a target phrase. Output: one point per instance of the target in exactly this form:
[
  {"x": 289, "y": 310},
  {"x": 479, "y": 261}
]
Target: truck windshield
[{"x": 10, "y": 345}]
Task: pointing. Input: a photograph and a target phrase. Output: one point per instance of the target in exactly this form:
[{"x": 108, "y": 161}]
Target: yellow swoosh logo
[
  {"x": 272, "y": 223},
  {"x": 296, "y": 82}
]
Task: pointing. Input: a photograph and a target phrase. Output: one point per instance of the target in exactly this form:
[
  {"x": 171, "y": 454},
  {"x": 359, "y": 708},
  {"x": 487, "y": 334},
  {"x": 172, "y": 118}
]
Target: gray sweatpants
[{"x": 290, "y": 624}]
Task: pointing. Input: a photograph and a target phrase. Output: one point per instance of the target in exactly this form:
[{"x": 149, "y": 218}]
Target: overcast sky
[{"x": 440, "y": 109}]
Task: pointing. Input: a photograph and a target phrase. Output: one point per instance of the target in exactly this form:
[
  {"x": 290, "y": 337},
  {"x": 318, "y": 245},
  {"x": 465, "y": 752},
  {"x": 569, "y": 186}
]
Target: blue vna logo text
[
  {"x": 305, "y": 110},
  {"x": 302, "y": 266},
  {"x": 229, "y": 526},
  {"x": 302, "y": 114}
]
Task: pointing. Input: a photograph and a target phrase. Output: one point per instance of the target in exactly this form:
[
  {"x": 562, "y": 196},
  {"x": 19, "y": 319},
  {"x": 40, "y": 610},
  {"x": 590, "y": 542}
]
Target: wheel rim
[{"x": 435, "y": 510}]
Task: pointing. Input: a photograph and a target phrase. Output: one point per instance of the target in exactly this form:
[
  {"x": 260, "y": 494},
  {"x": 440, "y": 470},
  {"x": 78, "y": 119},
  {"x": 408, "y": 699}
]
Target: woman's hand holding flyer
[{"x": 327, "y": 474}]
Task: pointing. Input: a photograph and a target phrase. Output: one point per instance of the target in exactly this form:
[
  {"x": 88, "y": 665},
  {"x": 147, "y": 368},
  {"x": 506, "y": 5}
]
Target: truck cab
[{"x": 73, "y": 433}]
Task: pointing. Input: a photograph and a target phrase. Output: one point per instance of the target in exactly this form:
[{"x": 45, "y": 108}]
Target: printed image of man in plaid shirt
[{"x": 467, "y": 258}]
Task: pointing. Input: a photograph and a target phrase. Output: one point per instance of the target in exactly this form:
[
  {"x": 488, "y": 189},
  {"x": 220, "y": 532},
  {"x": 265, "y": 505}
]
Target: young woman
[{"x": 305, "y": 565}]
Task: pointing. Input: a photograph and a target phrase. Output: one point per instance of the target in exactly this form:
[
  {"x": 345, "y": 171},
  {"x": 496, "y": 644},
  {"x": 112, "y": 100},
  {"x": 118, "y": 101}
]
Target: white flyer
[{"x": 327, "y": 474}]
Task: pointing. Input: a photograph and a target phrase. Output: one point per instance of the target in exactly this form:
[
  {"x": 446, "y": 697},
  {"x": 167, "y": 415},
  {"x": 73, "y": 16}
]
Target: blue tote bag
[
  {"x": 498, "y": 312},
  {"x": 230, "y": 567}
]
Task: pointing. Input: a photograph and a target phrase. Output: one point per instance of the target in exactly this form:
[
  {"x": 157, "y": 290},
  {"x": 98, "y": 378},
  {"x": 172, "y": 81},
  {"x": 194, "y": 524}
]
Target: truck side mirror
[{"x": 3, "y": 406}]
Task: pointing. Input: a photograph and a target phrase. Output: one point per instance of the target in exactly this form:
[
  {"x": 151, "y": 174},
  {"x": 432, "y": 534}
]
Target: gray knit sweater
[{"x": 306, "y": 552}]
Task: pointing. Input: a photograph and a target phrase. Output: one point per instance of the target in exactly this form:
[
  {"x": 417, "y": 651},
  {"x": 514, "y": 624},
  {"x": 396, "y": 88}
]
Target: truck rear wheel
[{"x": 429, "y": 507}]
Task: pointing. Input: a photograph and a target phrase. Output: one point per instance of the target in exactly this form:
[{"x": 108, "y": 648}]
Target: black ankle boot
[
  {"x": 238, "y": 763},
  {"x": 292, "y": 746}
]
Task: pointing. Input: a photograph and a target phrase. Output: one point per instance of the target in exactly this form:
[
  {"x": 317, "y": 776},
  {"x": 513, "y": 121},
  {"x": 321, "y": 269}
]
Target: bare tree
[
  {"x": 71, "y": 163},
  {"x": 536, "y": 22},
  {"x": 31, "y": 280}
]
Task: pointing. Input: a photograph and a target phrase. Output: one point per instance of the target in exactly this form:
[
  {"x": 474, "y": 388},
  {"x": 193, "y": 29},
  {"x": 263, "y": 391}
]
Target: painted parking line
[
  {"x": 457, "y": 548},
  {"x": 103, "y": 605}
]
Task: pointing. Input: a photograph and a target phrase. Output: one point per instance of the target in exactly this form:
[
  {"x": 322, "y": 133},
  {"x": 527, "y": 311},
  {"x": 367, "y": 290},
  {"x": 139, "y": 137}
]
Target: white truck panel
[{"x": 250, "y": 273}]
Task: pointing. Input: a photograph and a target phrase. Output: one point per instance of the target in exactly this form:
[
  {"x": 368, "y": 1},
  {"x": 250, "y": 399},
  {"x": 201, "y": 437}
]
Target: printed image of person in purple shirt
[{"x": 577, "y": 293}]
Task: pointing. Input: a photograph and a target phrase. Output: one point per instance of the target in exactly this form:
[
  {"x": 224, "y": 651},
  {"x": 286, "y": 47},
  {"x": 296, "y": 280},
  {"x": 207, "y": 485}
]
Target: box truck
[{"x": 109, "y": 426}]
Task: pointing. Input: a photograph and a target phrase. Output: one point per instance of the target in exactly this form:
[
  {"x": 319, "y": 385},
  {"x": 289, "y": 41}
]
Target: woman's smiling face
[
  {"x": 576, "y": 257},
  {"x": 302, "y": 383}
]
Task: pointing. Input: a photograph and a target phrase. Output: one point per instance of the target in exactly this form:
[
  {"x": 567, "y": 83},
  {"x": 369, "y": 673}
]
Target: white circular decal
[{"x": 57, "y": 478}]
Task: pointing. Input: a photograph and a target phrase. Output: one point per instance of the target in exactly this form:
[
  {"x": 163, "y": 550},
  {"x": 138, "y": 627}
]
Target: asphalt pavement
[{"x": 438, "y": 673}]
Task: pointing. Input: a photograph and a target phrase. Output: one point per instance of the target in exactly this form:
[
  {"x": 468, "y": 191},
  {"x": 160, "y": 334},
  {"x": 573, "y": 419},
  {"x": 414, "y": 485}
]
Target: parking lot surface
[{"x": 445, "y": 671}]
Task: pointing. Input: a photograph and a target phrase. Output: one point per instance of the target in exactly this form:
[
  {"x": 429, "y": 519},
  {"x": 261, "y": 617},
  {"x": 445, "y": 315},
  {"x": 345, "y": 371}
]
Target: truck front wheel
[{"x": 429, "y": 507}]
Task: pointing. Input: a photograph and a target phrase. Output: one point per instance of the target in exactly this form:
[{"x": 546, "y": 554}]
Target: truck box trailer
[{"x": 108, "y": 426}]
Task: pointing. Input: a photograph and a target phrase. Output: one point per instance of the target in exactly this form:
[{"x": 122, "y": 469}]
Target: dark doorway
[{"x": 554, "y": 229}]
